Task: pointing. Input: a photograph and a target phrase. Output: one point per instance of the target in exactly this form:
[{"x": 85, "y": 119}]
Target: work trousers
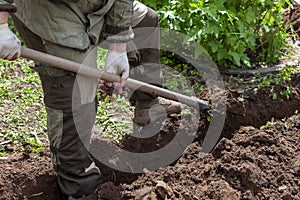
[{"x": 71, "y": 104}]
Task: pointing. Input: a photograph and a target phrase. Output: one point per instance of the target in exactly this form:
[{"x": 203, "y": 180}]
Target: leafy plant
[
  {"x": 268, "y": 124},
  {"x": 287, "y": 92},
  {"x": 235, "y": 32}
]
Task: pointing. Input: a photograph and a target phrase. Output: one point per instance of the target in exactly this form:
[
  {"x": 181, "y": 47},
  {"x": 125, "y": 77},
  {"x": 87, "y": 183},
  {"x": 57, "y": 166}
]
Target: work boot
[
  {"x": 149, "y": 111},
  {"x": 93, "y": 196}
]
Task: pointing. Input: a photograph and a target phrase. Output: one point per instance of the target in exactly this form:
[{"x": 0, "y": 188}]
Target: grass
[
  {"x": 113, "y": 118},
  {"x": 23, "y": 118},
  {"x": 258, "y": 82},
  {"x": 23, "y": 115}
]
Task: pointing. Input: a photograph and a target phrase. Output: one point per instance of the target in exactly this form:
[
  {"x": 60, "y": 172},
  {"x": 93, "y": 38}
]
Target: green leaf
[
  {"x": 194, "y": 5},
  {"x": 214, "y": 46},
  {"x": 250, "y": 16},
  {"x": 236, "y": 57}
]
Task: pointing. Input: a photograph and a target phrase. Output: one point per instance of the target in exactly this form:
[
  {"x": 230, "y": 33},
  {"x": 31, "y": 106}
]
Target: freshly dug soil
[
  {"x": 248, "y": 163},
  {"x": 26, "y": 176},
  {"x": 254, "y": 164}
]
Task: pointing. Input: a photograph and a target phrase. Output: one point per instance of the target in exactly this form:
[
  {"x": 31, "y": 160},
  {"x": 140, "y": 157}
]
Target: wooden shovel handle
[{"x": 130, "y": 83}]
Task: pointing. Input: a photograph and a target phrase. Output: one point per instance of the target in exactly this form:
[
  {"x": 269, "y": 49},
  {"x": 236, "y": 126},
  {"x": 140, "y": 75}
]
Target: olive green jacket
[{"x": 74, "y": 23}]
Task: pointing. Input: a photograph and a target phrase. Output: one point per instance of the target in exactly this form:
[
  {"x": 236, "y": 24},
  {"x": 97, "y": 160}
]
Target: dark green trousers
[
  {"x": 71, "y": 105},
  {"x": 69, "y": 120}
]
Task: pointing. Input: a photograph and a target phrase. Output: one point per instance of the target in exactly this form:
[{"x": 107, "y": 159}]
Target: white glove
[
  {"x": 10, "y": 45},
  {"x": 117, "y": 63}
]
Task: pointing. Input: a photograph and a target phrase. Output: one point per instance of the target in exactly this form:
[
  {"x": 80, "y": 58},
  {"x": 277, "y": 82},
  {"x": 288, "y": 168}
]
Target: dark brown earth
[
  {"x": 251, "y": 161},
  {"x": 254, "y": 164}
]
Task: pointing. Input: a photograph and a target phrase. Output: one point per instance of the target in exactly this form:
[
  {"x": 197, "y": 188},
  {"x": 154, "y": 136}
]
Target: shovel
[{"x": 96, "y": 73}]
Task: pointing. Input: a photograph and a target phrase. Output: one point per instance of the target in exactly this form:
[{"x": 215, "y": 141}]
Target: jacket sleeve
[
  {"x": 118, "y": 21},
  {"x": 8, "y": 6}
]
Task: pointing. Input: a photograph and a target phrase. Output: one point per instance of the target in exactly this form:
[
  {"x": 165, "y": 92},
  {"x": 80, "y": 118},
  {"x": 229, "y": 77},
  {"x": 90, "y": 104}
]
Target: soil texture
[{"x": 248, "y": 162}]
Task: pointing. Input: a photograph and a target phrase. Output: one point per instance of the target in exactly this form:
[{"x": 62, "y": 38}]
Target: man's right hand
[{"x": 10, "y": 45}]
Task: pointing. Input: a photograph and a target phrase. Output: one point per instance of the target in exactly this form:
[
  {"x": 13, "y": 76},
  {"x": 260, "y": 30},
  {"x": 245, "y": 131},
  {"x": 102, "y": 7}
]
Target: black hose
[{"x": 251, "y": 72}]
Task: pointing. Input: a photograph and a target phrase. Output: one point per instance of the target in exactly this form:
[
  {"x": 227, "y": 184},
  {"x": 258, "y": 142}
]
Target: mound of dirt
[
  {"x": 254, "y": 164},
  {"x": 249, "y": 163},
  {"x": 27, "y": 176}
]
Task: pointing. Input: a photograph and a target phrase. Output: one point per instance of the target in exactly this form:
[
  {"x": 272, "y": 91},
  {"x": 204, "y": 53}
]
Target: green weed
[
  {"x": 114, "y": 117},
  {"x": 23, "y": 114}
]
